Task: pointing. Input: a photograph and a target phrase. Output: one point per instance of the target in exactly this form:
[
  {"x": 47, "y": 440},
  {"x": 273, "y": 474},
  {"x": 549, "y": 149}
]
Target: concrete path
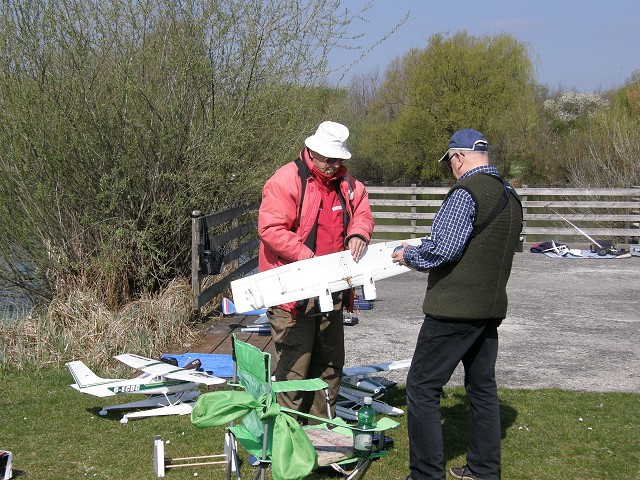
[{"x": 572, "y": 324}]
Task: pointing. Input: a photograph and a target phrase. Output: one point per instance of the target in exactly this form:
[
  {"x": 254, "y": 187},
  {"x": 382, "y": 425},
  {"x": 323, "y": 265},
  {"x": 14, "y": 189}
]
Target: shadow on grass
[
  {"x": 455, "y": 421},
  {"x": 455, "y": 412},
  {"x": 111, "y": 415}
]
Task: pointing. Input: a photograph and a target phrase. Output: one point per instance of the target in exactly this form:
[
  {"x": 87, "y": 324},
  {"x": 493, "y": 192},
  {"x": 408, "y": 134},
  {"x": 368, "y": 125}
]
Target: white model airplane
[
  {"x": 229, "y": 308},
  {"x": 357, "y": 383},
  {"x": 319, "y": 277},
  {"x": 171, "y": 390},
  {"x": 562, "y": 250},
  {"x": 260, "y": 325}
]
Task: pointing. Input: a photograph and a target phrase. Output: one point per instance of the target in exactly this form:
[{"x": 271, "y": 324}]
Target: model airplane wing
[
  {"x": 319, "y": 277},
  {"x": 161, "y": 369},
  {"x": 376, "y": 368}
]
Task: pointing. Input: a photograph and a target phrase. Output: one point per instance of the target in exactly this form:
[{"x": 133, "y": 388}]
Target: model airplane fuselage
[{"x": 319, "y": 277}]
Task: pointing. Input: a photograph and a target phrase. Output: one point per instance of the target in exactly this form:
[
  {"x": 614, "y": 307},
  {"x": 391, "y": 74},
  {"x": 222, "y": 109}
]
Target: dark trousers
[{"x": 441, "y": 346}]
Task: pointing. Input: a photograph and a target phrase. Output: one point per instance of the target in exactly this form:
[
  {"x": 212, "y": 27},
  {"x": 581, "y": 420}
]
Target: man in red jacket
[{"x": 312, "y": 207}]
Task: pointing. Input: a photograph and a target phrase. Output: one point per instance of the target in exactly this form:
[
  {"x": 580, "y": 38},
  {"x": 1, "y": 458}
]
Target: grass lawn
[{"x": 55, "y": 432}]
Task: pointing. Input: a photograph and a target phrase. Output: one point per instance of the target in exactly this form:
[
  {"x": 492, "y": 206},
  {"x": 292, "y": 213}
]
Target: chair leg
[
  {"x": 231, "y": 450},
  {"x": 326, "y": 394},
  {"x": 360, "y": 471},
  {"x": 259, "y": 473}
]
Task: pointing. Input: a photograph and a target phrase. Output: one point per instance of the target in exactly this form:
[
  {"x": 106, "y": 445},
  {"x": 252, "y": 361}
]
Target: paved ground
[{"x": 571, "y": 324}]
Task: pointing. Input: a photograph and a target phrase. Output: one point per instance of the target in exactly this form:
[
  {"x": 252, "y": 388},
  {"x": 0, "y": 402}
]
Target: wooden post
[
  {"x": 523, "y": 198},
  {"x": 414, "y": 211},
  {"x": 631, "y": 225},
  {"x": 196, "y": 219}
]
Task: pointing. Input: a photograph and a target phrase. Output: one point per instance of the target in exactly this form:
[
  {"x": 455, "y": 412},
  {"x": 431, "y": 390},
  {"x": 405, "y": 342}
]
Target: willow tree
[
  {"x": 119, "y": 117},
  {"x": 456, "y": 82}
]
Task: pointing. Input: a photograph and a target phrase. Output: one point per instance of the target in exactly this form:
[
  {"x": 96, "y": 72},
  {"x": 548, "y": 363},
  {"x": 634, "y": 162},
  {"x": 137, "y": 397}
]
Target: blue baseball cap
[{"x": 466, "y": 139}]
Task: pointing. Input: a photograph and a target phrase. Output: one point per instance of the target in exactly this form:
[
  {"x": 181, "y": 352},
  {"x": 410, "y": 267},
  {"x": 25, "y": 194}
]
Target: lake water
[{"x": 12, "y": 303}]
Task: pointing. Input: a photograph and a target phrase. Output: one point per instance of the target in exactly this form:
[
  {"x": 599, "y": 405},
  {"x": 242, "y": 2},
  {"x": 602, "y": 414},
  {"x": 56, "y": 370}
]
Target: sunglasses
[
  {"x": 329, "y": 161},
  {"x": 453, "y": 155}
]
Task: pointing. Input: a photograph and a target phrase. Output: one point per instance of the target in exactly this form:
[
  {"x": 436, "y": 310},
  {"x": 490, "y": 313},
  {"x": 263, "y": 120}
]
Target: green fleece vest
[{"x": 475, "y": 287}]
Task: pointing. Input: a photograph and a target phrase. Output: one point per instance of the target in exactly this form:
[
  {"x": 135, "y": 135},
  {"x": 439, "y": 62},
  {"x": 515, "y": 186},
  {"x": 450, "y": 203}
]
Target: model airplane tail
[
  {"x": 87, "y": 381},
  {"x": 228, "y": 308}
]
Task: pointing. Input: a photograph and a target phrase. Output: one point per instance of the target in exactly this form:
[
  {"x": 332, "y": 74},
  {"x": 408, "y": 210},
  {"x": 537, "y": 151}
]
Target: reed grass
[{"x": 79, "y": 326}]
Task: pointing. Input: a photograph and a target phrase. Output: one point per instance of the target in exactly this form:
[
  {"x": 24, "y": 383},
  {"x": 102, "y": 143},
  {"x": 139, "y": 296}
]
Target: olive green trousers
[{"x": 311, "y": 345}]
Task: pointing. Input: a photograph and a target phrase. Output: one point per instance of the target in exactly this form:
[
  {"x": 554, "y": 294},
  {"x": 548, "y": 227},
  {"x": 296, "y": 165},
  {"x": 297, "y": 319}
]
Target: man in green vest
[{"x": 469, "y": 256}]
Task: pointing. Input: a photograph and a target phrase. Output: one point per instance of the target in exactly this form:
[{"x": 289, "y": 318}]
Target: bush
[{"x": 120, "y": 118}]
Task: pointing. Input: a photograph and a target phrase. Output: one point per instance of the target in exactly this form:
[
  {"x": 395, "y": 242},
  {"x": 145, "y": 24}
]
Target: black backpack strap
[
  {"x": 205, "y": 243},
  {"x": 343, "y": 203},
  {"x": 304, "y": 173}
]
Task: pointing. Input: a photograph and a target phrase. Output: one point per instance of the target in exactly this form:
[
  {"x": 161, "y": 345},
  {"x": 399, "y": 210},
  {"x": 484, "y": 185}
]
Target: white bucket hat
[{"x": 330, "y": 140}]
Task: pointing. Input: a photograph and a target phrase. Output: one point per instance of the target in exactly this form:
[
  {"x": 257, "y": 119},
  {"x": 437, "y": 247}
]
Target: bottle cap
[{"x": 368, "y": 400}]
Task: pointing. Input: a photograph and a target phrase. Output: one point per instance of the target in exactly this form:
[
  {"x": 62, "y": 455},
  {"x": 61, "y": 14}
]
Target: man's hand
[
  {"x": 357, "y": 246},
  {"x": 398, "y": 254}
]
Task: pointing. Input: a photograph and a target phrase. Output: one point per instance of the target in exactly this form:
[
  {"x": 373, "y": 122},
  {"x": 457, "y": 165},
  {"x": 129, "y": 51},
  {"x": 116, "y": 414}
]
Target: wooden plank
[
  {"x": 587, "y": 192},
  {"x": 559, "y": 204},
  {"x": 405, "y": 215},
  {"x": 235, "y": 233},
  {"x": 405, "y": 203},
  {"x": 401, "y": 229},
  {"x": 209, "y": 343},
  {"x": 227, "y": 215},
  {"x": 609, "y": 232},
  {"x": 212, "y": 290},
  {"x": 216, "y": 331},
  {"x": 592, "y": 232},
  {"x": 582, "y": 217},
  {"x": 407, "y": 190},
  {"x": 260, "y": 341},
  {"x": 248, "y": 248},
  {"x": 614, "y": 217},
  {"x": 217, "y": 336},
  {"x": 615, "y": 192}
]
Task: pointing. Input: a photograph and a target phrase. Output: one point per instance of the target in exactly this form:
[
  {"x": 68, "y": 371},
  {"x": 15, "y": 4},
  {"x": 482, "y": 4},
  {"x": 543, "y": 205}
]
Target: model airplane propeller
[{"x": 170, "y": 390}]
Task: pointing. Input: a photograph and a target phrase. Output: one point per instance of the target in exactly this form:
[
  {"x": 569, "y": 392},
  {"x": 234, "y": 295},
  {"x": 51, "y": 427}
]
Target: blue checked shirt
[{"x": 450, "y": 231}]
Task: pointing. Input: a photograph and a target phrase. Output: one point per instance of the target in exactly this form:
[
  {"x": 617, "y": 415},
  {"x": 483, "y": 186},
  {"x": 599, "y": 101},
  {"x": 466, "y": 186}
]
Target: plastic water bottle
[{"x": 363, "y": 440}]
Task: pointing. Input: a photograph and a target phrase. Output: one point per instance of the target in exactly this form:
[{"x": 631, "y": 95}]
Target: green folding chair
[{"x": 271, "y": 433}]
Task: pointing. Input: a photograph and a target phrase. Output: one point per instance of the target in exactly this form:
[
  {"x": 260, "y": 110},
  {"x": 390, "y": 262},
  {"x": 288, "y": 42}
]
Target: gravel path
[{"x": 571, "y": 324}]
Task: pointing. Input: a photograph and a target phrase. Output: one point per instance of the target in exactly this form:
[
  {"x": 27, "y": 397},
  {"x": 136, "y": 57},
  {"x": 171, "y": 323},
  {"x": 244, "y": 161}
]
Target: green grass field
[{"x": 55, "y": 432}]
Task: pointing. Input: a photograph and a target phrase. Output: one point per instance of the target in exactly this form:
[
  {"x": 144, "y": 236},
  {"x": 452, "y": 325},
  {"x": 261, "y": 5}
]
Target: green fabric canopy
[{"x": 293, "y": 456}]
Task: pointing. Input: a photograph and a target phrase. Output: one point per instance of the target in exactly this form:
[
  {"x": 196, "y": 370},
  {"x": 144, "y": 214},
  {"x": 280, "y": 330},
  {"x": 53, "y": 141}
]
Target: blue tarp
[{"x": 216, "y": 364}]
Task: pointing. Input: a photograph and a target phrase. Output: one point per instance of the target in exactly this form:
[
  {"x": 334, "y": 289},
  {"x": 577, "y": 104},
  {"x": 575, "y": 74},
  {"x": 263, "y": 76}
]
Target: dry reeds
[{"x": 78, "y": 326}]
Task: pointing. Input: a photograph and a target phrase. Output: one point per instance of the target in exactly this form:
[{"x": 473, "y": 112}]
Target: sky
[{"x": 583, "y": 45}]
